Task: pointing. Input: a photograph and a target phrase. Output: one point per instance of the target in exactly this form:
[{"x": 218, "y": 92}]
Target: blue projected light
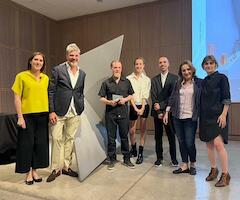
[{"x": 216, "y": 31}]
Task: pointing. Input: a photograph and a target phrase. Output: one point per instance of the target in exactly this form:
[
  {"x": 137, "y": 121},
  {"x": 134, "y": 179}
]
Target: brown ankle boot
[
  {"x": 212, "y": 175},
  {"x": 224, "y": 180}
]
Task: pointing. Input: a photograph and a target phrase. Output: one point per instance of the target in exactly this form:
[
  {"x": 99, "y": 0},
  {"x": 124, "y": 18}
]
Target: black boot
[
  {"x": 133, "y": 151},
  {"x": 140, "y": 155}
]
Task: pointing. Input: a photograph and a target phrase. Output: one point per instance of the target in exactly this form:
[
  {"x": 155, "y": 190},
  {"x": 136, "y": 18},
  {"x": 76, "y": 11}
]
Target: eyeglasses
[{"x": 209, "y": 63}]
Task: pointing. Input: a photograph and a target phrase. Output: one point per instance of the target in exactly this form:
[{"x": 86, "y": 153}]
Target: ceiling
[{"x": 64, "y": 9}]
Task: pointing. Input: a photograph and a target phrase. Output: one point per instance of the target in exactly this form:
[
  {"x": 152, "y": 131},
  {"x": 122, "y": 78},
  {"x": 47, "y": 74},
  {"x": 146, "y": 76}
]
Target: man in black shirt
[{"x": 115, "y": 92}]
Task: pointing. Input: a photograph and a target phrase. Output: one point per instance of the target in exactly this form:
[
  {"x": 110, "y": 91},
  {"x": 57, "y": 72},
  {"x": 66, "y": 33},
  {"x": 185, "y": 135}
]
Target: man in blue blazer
[
  {"x": 161, "y": 89},
  {"x": 66, "y": 103}
]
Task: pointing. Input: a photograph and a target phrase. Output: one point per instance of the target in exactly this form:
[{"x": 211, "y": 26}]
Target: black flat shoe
[
  {"x": 38, "y": 180},
  {"x": 29, "y": 182},
  {"x": 53, "y": 175},
  {"x": 192, "y": 171},
  {"x": 69, "y": 172},
  {"x": 180, "y": 171}
]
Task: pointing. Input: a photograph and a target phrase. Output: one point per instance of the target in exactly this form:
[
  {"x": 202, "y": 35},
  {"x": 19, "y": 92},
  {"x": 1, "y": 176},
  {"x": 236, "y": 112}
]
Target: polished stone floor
[{"x": 144, "y": 182}]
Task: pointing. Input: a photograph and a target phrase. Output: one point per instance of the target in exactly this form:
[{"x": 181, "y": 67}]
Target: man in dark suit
[
  {"x": 66, "y": 103},
  {"x": 161, "y": 89}
]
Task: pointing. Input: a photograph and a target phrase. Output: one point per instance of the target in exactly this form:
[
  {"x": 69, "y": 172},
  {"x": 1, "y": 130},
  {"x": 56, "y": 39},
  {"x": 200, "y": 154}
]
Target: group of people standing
[{"x": 178, "y": 103}]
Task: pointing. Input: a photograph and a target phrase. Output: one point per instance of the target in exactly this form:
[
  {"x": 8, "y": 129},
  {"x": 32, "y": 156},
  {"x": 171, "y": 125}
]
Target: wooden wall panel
[
  {"x": 112, "y": 25},
  {"x": 150, "y": 26},
  {"x": 95, "y": 30},
  {"x": 41, "y": 34},
  {"x": 53, "y": 37},
  {"x": 73, "y": 31},
  {"x": 7, "y": 104},
  {"x": 234, "y": 119},
  {"x": 171, "y": 23},
  {"x": 22, "y": 31},
  {"x": 7, "y": 25},
  {"x": 186, "y": 23},
  {"x": 82, "y": 35},
  {"x": 22, "y": 57},
  {"x": 8, "y": 67},
  {"x": 25, "y": 30}
]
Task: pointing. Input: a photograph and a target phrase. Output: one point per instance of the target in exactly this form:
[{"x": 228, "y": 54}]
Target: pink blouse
[{"x": 186, "y": 101}]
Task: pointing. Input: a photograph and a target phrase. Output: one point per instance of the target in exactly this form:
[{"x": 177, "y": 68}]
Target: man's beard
[
  {"x": 74, "y": 63},
  {"x": 117, "y": 75}
]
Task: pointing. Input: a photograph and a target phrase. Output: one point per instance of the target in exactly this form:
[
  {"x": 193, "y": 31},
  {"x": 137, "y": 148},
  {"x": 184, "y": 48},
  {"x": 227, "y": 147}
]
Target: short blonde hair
[
  {"x": 115, "y": 61},
  {"x": 72, "y": 47},
  {"x": 139, "y": 58}
]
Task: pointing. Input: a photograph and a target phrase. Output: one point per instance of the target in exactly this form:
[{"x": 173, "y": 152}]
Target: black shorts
[{"x": 133, "y": 114}]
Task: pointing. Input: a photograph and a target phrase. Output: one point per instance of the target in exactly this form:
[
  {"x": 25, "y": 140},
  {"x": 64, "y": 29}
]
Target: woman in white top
[{"x": 139, "y": 107}]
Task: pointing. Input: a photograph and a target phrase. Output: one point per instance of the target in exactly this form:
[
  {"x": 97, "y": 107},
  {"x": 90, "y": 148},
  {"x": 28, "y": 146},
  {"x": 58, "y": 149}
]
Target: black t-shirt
[{"x": 110, "y": 88}]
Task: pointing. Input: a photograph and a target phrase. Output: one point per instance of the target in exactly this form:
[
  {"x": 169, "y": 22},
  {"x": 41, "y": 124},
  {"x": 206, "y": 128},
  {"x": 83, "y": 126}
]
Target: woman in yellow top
[{"x": 31, "y": 102}]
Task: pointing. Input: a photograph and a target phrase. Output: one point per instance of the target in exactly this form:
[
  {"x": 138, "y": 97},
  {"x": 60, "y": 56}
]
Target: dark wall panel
[
  {"x": 41, "y": 34},
  {"x": 25, "y": 30},
  {"x": 7, "y": 25},
  {"x": 8, "y": 67},
  {"x": 234, "y": 119},
  {"x": 22, "y": 57},
  {"x": 22, "y": 31},
  {"x": 6, "y": 101}
]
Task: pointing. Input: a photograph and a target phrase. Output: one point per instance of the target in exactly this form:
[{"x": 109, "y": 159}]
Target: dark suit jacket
[
  {"x": 161, "y": 95},
  {"x": 60, "y": 91}
]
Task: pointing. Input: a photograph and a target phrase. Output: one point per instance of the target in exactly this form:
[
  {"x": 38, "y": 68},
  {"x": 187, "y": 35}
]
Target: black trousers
[
  {"x": 113, "y": 122},
  {"x": 158, "y": 123},
  {"x": 33, "y": 143}
]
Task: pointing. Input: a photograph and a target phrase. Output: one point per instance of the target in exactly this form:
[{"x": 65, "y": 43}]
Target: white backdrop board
[{"x": 91, "y": 136}]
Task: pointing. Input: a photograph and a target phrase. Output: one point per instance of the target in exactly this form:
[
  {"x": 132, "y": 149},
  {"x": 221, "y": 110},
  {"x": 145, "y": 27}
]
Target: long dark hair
[{"x": 32, "y": 56}]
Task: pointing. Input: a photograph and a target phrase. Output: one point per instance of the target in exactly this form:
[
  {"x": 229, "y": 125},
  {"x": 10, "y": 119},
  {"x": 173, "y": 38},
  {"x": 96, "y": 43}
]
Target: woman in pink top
[{"x": 184, "y": 106}]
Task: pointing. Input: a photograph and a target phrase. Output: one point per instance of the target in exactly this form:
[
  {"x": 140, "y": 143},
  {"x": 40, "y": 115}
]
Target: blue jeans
[{"x": 185, "y": 131}]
